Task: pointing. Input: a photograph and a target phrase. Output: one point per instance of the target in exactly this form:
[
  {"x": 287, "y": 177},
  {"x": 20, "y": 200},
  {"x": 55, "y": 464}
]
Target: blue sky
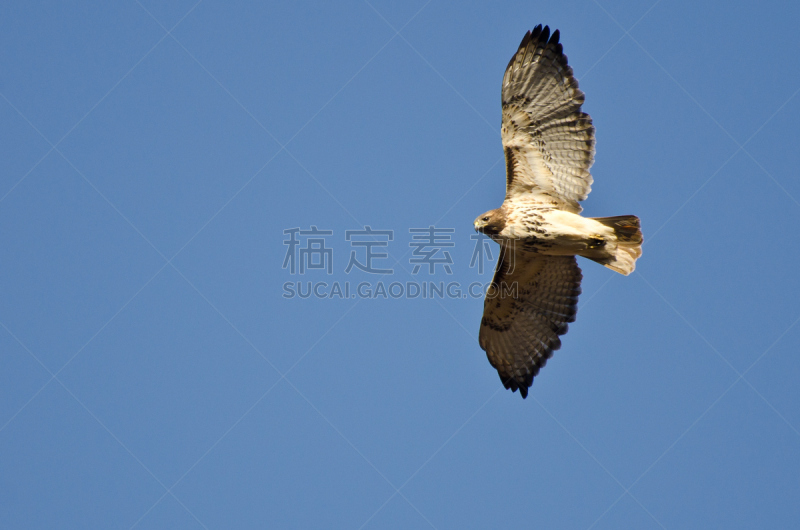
[{"x": 156, "y": 374}]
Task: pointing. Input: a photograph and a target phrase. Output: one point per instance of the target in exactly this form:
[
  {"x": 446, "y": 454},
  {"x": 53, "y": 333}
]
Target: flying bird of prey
[{"x": 549, "y": 148}]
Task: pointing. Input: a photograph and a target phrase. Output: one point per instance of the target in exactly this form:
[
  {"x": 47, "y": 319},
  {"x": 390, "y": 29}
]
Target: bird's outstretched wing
[
  {"x": 548, "y": 141},
  {"x": 532, "y": 298}
]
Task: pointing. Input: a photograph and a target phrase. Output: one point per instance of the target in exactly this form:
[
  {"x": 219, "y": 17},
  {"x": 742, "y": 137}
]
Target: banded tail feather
[{"x": 628, "y": 234}]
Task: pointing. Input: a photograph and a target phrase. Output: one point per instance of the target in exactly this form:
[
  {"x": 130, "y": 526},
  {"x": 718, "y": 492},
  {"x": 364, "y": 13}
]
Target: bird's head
[{"x": 491, "y": 223}]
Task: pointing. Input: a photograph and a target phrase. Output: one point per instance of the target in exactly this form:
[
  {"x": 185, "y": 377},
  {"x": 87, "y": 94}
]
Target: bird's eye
[{"x": 485, "y": 219}]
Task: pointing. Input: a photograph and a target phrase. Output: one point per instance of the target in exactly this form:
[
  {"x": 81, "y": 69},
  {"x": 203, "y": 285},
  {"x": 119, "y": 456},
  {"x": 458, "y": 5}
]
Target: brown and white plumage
[
  {"x": 549, "y": 148},
  {"x": 548, "y": 141},
  {"x": 520, "y": 332}
]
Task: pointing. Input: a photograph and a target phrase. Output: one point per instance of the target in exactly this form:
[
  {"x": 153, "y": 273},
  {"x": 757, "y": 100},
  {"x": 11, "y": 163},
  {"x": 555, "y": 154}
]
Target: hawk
[{"x": 549, "y": 148}]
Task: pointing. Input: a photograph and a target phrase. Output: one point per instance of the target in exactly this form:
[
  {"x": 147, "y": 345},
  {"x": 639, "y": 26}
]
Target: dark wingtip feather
[
  {"x": 541, "y": 35},
  {"x": 545, "y": 34},
  {"x": 513, "y": 384}
]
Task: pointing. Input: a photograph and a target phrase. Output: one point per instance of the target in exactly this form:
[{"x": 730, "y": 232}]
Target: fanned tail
[{"x": 627, "y": 230}]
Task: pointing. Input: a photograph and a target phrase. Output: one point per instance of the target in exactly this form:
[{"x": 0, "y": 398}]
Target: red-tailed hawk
[{"x": 549, "y": 148}]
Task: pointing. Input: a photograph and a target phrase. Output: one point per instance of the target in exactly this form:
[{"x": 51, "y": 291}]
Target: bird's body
[
  {"x": 532, "y": 227},
  {"x": 548, "y": 230},
  {"x": 549, "y": 148}
]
